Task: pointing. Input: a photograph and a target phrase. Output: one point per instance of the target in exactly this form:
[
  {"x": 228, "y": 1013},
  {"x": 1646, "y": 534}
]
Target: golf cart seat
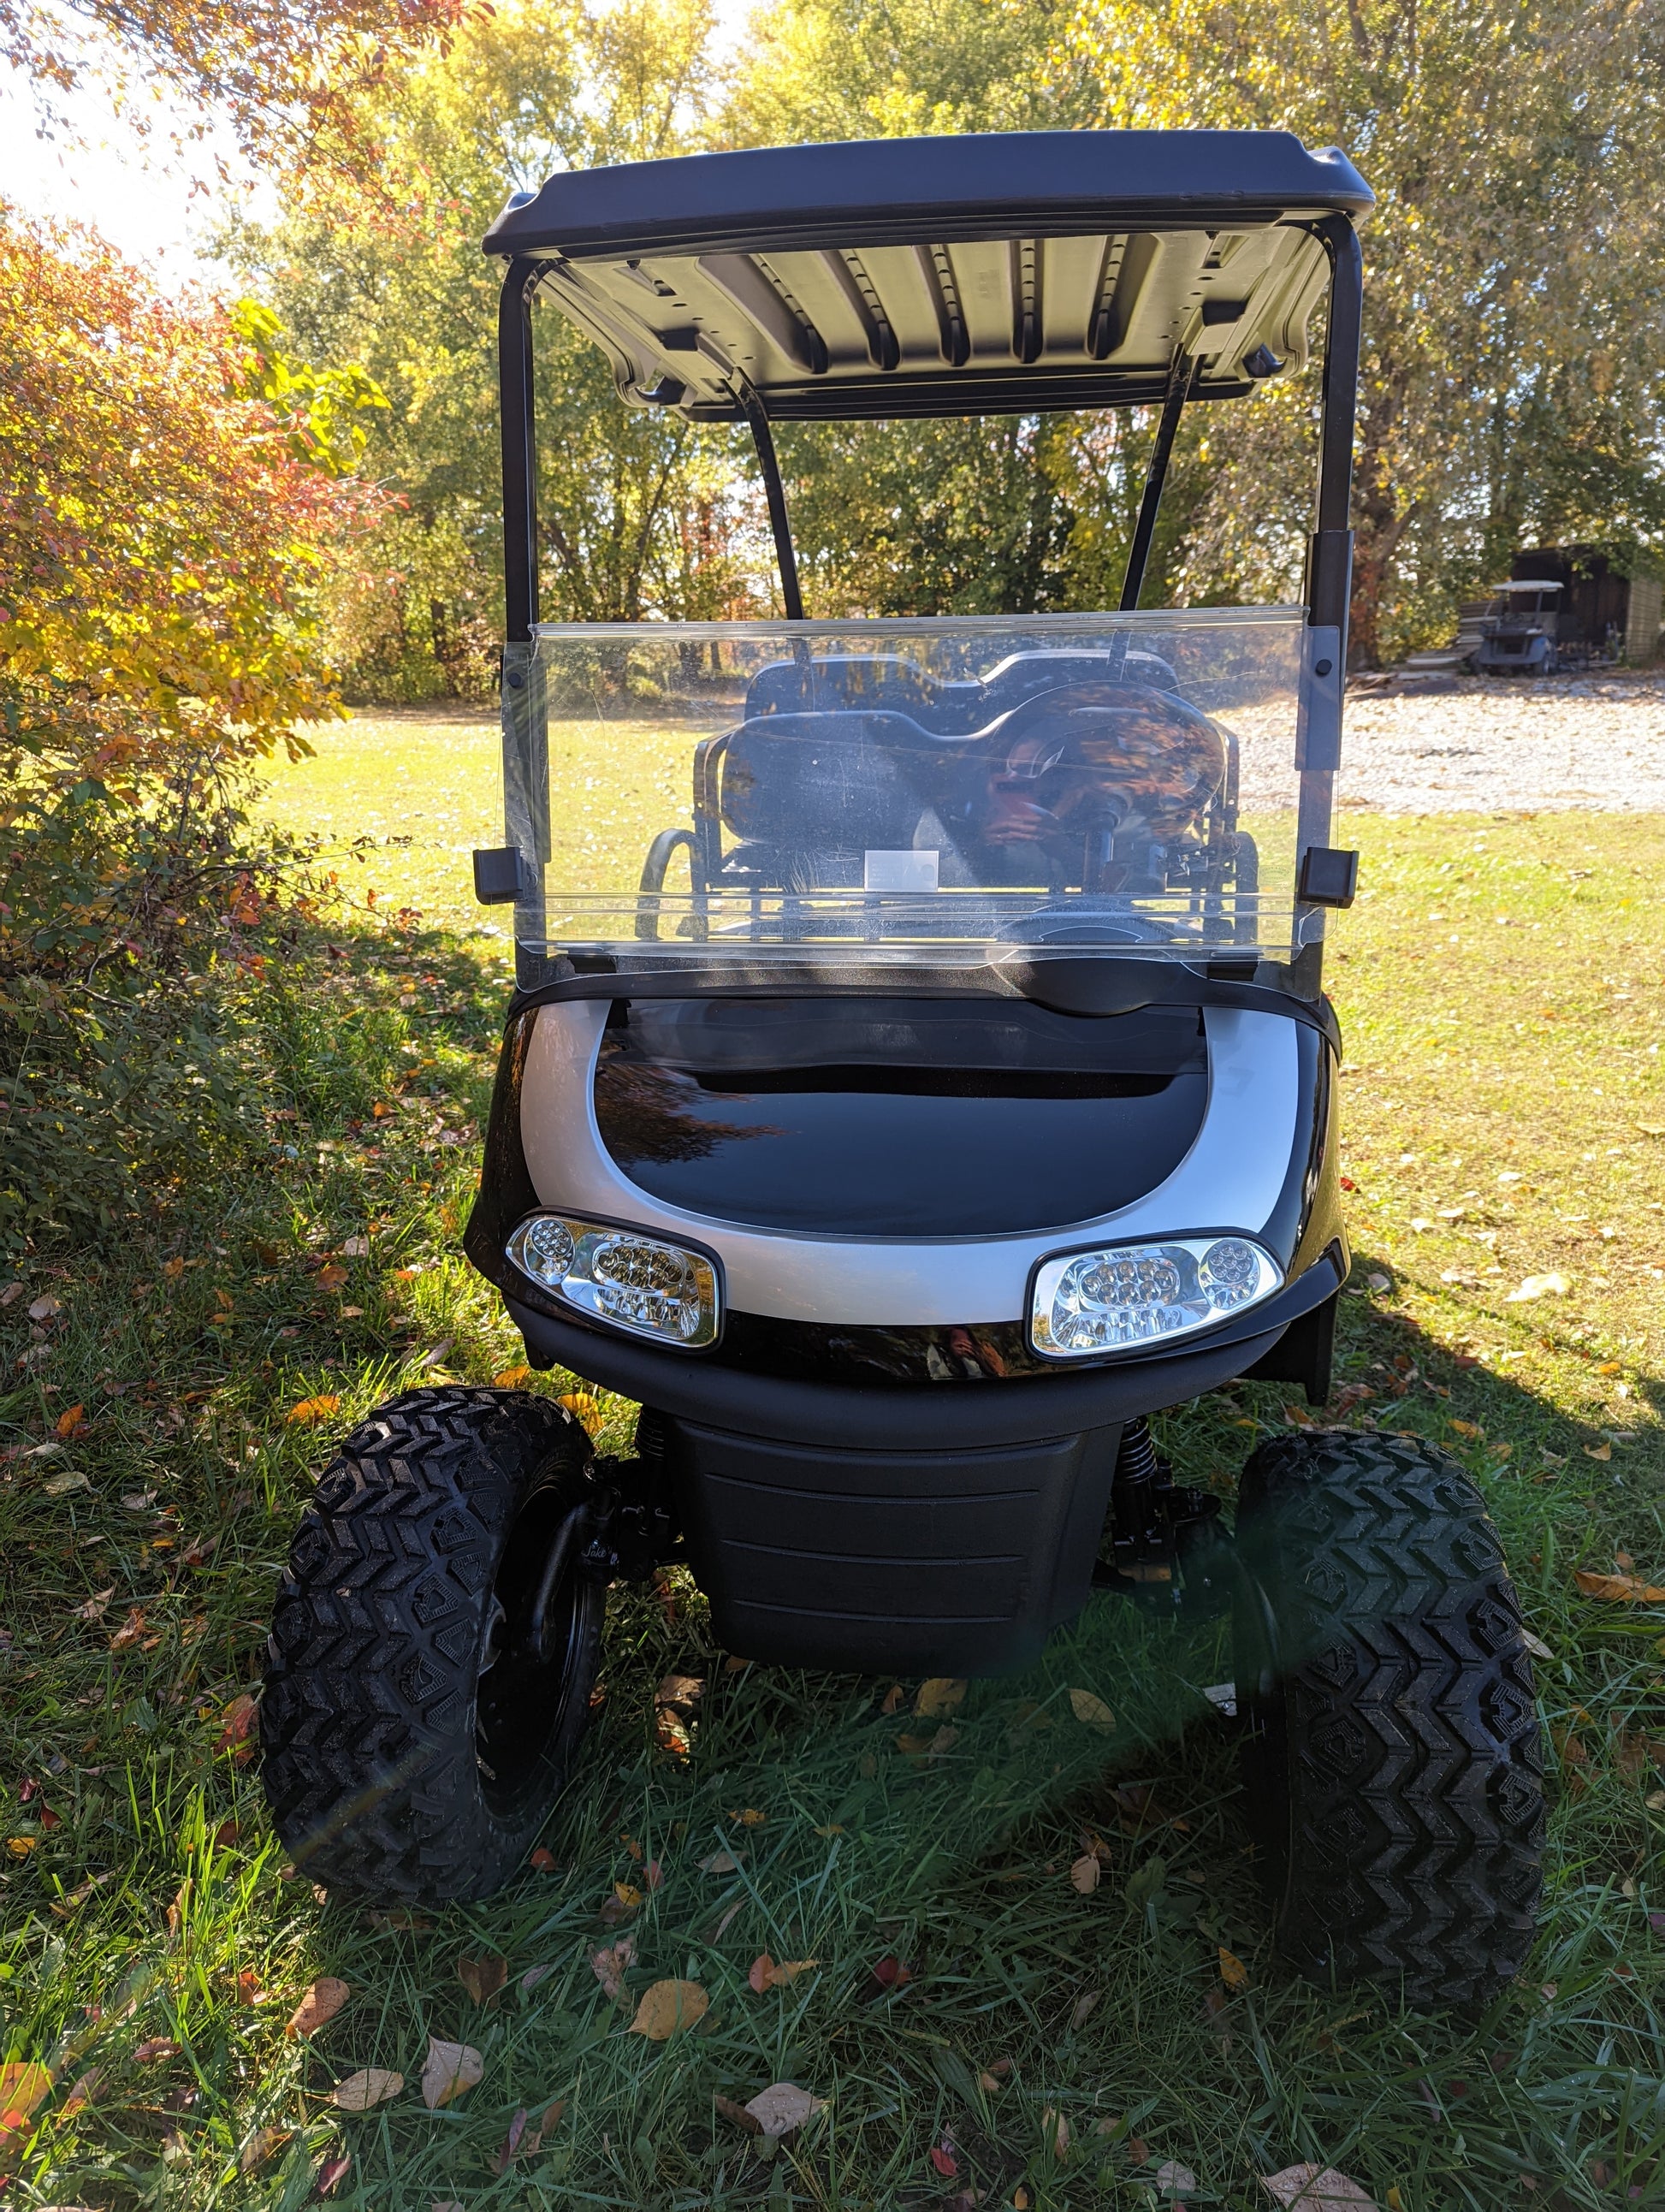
[{"x": 809, "y": 794}]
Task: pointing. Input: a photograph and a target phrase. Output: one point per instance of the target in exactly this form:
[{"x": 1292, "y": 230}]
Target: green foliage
[{"x": 319, "y": 407}]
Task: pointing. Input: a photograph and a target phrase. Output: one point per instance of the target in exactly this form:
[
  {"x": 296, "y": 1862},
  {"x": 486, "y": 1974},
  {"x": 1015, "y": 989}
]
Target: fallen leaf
[
  {"x": 627, "y": 1894},
  {"x": 1086, "y": 1873},
  {"x": 512, "y": 1378},
  {"x": 583, "y": 1408},
  {"x": 667, "y": 2007},
  {"x": 512, "y": 2142},
  {"x": 781, "y": 2107},
  {"x": 263, "y": 2143},
  {"x": 892, "y": 1700},
  {"x": 944, "y": 2161},
  {"x": 330, "y": 2175},
  {"x": 322, "y": 2001},
  {"x": 331, "y": 1279},
  {"x": 93, "y": 1609},
  {"x": 610, "y": 1965},
  {"x": 1174, "y": 2179},
  {"x": 889, "y": 1973},
  {"x": 749, "y": 1817},
  {"x": 1628, "y": 1587},
  {"x": 312, "y": 1410},
  {"x": 720, "y": 1862},
  {"x": 23, "y": 2083},
  {"x": 942, "y": 1695},
  {"x": 681, "y": 1692},
  {"x": 765, "y": 1974},
  {"x": 1467, "y": 1428},
  {"x": 154, "y": 2047},
  {"x": 1537, "y": 1287},
  {"x": 483, "y": 1977},
  {"x": 1379, "y": 1282},
  {"x": 44, "y": 1309},
  {"x": 371, "y": 2085},
  {"x": 238, "y": 1721},
  {"x": 1092, "y": 1711},
  {"x": 61, "y": 1485},
  {"x": 130, "y": 1632},
  {"x": 1598, "y": 1451},
  {"x": 1233, "y": 1972},
  {"x": 533, "y": 1975},
  {"x": 449, "y": 2070},
  {"x": 738, "y": 2115},
  {"x": 68, "y": 1418},
  {"x": 543, "y": 1862},
  {"x": 1316, "y": 2189},
  {"x": 1085, "y": 2006},
  {"x": 83, "y": 2092}
]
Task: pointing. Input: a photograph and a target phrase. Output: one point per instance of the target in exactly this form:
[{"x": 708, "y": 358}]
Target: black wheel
[
  {"x": 1394, "y": 1761},
  {"x": 432, "y": 1647}
]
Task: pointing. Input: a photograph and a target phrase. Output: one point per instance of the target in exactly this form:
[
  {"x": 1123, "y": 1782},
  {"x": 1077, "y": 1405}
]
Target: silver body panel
[{"x": 1230, "y": 1179}]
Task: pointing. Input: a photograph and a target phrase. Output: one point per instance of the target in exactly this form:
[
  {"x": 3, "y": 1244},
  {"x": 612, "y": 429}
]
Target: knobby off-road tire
[
  {"x": 413, "y": 1731},
  {"x": 1394, "y": 1760}
]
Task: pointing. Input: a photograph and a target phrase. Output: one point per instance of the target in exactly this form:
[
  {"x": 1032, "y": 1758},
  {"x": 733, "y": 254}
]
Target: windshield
[{"x": 945, "y": 791}]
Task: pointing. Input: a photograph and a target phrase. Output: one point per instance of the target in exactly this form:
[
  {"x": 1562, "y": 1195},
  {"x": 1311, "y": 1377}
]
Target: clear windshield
[{"x": 946, "y": 791}]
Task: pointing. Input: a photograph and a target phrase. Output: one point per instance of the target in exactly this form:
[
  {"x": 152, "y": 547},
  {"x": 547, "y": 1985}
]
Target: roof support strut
[
  {"x": 1144, "y": 530},
  {"x": 775, "y": 492},
  {"x": 519, "y": 447}
]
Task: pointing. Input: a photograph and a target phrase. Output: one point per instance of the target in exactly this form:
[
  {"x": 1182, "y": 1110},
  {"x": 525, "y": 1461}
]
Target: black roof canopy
[{"x": 991, "y": 273}]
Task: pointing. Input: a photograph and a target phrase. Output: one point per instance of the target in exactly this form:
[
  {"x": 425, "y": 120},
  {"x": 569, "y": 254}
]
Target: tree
[
  {"x": 1514, "y": 362},
  {"x": 640, "y": 514}
]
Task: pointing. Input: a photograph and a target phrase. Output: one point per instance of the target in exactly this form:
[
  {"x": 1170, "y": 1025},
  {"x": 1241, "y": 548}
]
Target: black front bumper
[{"x": 943, "y": 1528}]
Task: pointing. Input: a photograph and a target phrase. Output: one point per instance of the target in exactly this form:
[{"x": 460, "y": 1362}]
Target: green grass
[{"x": 187, "y": 1338}]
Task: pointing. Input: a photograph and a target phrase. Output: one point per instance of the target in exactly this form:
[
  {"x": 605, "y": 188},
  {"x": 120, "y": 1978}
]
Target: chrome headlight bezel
[
  {"x": 1049, "y": 1278},
  {"x": 576, "y": 1287}
]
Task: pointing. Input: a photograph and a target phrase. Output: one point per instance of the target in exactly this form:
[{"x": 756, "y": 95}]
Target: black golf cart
[{"x": 919, "y": 1074}]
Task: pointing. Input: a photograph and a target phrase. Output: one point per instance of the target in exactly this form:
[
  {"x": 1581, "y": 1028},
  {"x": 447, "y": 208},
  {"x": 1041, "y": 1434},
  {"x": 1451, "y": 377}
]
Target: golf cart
[
  {"x": 919, "y": 1074},
  {"x": 1519, "y": 636}
]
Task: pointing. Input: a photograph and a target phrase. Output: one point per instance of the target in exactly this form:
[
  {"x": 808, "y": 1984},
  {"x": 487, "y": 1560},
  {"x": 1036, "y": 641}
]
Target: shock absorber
[{"x": 1141, "y": 1544}]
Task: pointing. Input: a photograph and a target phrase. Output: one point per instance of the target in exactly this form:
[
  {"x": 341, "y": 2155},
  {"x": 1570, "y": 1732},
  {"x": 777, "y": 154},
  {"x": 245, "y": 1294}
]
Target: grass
[{"x": 1501, "y": 1090}]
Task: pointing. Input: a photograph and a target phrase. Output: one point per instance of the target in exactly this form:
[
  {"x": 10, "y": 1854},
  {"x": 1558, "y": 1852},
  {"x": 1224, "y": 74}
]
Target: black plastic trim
[
  {"x": 940, "y": 1416},
  {"x": 1090, "y": 986}
]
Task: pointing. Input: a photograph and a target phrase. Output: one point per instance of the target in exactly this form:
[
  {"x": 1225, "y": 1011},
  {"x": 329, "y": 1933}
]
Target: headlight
[
  {"x": 1091, "y": 1303},
  {"x": 618, "y": 1275}
]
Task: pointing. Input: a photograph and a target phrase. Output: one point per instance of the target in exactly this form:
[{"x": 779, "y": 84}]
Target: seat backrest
[{"x": 835, "y": 783}]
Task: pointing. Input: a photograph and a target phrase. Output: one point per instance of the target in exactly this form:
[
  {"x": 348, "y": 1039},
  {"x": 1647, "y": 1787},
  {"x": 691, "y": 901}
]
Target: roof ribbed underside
[{"x": 986, "y": 325}]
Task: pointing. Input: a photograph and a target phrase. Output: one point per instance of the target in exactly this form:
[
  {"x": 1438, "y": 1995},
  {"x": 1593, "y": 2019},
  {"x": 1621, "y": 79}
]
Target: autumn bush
[{"x": 168, "y": 488}]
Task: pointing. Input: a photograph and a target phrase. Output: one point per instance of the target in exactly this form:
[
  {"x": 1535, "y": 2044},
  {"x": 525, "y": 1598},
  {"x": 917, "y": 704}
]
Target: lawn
[{"x": 164, "y": 1408}]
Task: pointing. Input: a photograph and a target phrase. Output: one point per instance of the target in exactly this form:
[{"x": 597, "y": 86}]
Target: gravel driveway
[{"x": 1494, "y": 747}]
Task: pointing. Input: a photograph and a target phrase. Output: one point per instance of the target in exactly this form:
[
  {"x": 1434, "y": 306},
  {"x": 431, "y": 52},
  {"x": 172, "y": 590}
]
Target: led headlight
[
  {"x": 618, "y": 1275},
  {"x": 1086, "y": 1304}
]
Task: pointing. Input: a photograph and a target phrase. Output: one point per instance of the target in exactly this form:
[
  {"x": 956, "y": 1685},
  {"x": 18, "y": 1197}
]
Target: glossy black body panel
[{"x": 897, "y": 1117}]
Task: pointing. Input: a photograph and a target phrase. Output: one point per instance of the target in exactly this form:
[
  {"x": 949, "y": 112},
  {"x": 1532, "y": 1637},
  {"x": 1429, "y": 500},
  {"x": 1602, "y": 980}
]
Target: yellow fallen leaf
[
  {"x": 449, "y": 2070},
  {"x": 322, "y": 2001},
  {"x": 1467, "y": 1428},
  {"x": 1629, "y": 1589},
  {"x": 312, "y": 1410},
  {"x": 1086, "y": 1874},
  {"x": 512, "y": 1378},
  {"x": 668, "y": 2008},
  {"x": 767, "y": 1973},
  {"x": 1092, "y": 1711},
  {"x": 23, "y": 2083},
  {"x": 83, "y": 2091},
  {"x": 1598, "y": 1451},
  {"x": 583, "y": 1408},
  {"x": 371, "y": 2085},
  {"x": 1539, "y": 1286},
  {"x": 749, "y": 1817},
  {"x": 942, "y": 1695},
  {"x": 1233, "y": 1972},
  {"x": 20, "y": 1846}
]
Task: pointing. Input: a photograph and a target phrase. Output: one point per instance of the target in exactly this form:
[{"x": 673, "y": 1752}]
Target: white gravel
[{"x": 1496, "y": 747}]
